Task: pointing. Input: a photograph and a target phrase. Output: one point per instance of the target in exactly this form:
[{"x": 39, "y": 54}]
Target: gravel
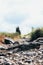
[{"x": 28, "y": 57}]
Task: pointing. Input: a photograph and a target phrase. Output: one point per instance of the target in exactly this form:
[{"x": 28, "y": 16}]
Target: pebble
[{"x": 29, "y": 57}]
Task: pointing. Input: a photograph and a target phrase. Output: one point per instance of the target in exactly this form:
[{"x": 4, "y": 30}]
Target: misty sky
[{"x": 23, "y": 13}]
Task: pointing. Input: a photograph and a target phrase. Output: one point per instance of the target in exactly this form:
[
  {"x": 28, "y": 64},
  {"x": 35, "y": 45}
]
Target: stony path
[{"x": 30, "y": 57}]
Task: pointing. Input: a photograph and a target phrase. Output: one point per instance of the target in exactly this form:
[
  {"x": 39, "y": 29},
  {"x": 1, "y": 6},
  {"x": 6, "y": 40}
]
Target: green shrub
[{"x": 36, "y": 34}]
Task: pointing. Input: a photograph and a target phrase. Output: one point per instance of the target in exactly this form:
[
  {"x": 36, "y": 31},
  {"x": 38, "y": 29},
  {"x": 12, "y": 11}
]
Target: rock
[{"x": 23, "y": 54}]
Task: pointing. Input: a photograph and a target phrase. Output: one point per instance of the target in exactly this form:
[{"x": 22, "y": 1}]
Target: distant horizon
[
  {"x": 21, "y": 31},
  {"x": 23, "y": 13}
]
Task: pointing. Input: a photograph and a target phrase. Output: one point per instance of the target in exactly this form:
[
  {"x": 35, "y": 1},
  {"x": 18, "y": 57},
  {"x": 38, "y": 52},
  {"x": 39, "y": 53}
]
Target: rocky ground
[{"x": 22, "y": 57}]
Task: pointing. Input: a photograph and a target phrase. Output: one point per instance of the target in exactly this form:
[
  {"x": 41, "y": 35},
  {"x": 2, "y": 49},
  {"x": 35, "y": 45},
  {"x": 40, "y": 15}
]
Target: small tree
[
  {"x": 18, "y": 30},
  {"x": 35, "y": 34}
]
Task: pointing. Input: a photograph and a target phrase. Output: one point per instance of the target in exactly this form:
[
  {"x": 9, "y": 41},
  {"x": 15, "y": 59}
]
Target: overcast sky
[{"x": 23, "y": 13}]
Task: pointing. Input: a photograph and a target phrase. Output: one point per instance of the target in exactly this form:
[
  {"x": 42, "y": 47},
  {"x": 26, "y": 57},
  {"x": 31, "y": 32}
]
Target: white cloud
[{"x": 33, "y": 8}]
